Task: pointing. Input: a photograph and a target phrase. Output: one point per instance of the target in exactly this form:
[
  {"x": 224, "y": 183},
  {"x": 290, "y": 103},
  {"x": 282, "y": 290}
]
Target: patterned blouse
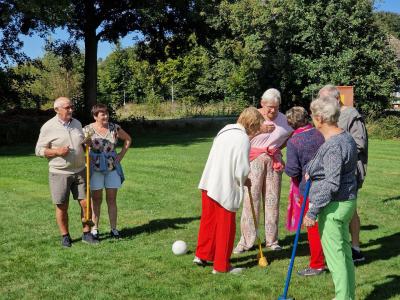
[{"x": 103, "y": 147}]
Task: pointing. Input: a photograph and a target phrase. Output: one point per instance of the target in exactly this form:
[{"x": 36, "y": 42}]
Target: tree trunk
[{"x": 91, "y": 41}]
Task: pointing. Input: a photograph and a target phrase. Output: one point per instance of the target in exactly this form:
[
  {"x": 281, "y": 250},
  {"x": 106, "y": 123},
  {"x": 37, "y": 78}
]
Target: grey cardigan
[{"x": 332, "y": 172}]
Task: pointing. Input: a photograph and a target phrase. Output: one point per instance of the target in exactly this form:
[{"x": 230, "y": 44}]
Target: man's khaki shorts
[{"x": 62, "y": 184}]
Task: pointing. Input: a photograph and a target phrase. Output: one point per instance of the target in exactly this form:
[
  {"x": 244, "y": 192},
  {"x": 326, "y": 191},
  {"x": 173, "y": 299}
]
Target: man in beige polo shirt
[{"x": 61, "y": 142}]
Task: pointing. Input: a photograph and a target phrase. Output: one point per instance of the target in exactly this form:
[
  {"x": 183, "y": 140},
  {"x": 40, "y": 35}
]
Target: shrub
[{"x": 384, "y": 128}]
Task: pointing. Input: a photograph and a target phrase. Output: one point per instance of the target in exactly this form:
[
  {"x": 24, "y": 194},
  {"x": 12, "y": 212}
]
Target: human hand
[
  {"x": 62, "y": 151},
  {"x": 308, "y": 222},
  {"x": 87, "y": 141},
  {"x": 118, "y": 158},
  {"x": 306, "y": 176},
  {"x": 267, "y": 127}
]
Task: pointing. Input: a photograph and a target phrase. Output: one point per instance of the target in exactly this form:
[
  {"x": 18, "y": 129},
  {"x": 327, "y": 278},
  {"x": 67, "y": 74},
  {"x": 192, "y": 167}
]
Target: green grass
[{"x": 158, "y": 204}]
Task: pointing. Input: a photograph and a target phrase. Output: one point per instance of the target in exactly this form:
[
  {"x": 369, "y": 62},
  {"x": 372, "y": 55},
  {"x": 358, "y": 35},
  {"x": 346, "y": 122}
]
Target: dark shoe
[
  {"x": 96, "y": 234},
  {"x": 66, "y": 241},
  {"x": 88, "y": 238},
  {"x": 311, "y": 272},
  {"x": 115, "y": 234},
  {"x": 357, "y": 255}
]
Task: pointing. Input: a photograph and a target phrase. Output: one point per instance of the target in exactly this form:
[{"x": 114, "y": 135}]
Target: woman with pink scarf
[
  {"x": 301, "y": 148},
  {"x": 266, "y": 169}
]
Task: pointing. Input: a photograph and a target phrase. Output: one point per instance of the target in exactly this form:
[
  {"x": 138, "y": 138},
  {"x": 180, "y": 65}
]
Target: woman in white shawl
[{"x": 222, "y": 185}]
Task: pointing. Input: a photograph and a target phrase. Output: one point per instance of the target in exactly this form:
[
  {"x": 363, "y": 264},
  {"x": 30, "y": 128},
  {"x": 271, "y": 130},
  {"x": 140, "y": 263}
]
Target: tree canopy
[{"x": 216, "y": 50}]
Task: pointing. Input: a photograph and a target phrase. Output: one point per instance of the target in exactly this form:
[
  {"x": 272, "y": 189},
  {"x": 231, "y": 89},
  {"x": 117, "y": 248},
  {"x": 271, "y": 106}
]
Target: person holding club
[
  {"x": 301, "y": 148},
  {"x": 105, "y": 165},
  {"x": 222, "y": 190},
  {"x": 61, "y": 142},
  {"x": 333, "y": 194},
  {"x": 266, "y": 169}
]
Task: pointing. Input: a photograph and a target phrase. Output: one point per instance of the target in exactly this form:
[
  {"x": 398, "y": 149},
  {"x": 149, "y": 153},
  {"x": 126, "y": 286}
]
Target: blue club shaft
[{"x": 296, "y": 240}]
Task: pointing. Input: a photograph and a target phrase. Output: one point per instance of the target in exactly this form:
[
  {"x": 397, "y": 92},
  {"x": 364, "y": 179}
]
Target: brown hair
[
  {"x": 251, "y": 119},
  {"x": 297, "y": 117},
  {"x": 99, "y": 108}
]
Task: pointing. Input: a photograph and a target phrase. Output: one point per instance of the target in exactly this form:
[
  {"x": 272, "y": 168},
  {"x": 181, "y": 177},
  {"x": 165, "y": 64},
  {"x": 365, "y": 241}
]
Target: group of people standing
[
  {"x": 246, "y": 158},
  {"x": 62, "y": 140}
]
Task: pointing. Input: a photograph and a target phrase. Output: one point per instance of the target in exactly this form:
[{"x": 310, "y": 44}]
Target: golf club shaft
[
  {"x": 296, "y": 240},
  {"x": 87, "y": 183},
  {"x": 253, "y": 212}
]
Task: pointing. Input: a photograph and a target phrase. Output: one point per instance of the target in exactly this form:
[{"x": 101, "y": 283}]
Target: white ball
[{"x": 179, "y": 248}]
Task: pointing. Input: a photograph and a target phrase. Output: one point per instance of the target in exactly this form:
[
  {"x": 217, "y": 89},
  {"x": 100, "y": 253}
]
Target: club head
[
  {"x": 281, "y": 297},
  {"x": 262, "y": 262}
]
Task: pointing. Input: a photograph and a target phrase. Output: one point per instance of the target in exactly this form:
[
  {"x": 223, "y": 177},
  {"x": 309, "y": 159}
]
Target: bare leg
[
  {"x": 97, "y": 198},
  {"x": 62, "y": 217},
  {"x": 355, "y": 230},
  {"x": 82, "y": 203},
  {"x": 111, "y": 198}
]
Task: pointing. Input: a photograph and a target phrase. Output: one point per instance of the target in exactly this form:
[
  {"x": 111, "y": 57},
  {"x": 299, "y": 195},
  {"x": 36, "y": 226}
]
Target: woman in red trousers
[
  {"x": 222, "y": 187},
  {"x": 301, "y": 148}
]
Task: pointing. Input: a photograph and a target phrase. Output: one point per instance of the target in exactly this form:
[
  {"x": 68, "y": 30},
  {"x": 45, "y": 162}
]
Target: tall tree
[{"x": 162, "y": 23}]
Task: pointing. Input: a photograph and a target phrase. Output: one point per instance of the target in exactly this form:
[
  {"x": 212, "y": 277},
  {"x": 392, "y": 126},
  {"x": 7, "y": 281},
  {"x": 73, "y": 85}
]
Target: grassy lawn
[{"x": 158, "y": 204}]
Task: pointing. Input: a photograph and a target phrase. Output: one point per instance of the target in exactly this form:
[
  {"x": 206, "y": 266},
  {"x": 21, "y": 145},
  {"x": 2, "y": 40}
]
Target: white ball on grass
[{"x": 179, "y": 248}]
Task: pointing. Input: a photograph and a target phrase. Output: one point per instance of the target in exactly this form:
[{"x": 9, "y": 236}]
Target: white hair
[
  {"x": 329, "y": 90},
  {"x": 327, "y": 108},
  {"x": 60, "y": 101},
  {"x": 272, "y": 95}
]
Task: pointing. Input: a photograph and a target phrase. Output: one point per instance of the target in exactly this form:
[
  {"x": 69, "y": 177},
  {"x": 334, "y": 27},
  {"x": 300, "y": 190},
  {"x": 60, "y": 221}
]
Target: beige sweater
[{"x": 54, "y": 135}]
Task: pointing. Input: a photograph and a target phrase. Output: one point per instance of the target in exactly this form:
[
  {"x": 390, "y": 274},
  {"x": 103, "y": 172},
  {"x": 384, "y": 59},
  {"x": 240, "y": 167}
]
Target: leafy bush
[
  {"x": 185, "y": 107},
  {"x": 384, "y": 128}
]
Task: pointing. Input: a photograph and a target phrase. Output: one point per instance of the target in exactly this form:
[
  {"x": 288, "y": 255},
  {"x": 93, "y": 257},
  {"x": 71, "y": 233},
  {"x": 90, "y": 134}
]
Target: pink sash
[
  {"x": 294, "y": 205},
  {"x": 275, "y": 153}
]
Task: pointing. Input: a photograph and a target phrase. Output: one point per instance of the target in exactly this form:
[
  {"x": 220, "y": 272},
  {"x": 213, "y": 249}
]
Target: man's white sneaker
[{"x": 234, "y": 271}]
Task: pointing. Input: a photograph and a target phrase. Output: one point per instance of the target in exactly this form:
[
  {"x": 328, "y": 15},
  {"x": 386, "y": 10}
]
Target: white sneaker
[
  {"x": 95, "y": 233},
  {"x": 238, "y": 250},
  {"x": 234, "y": 271},
  {"x": 199, "y": 261},
  {"x": 275, "y": 247}
]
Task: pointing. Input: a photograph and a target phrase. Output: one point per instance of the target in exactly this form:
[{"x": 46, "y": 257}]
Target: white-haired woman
[
  {"x": 333, "y": 194},
  {"x": 266, "y": 169}
]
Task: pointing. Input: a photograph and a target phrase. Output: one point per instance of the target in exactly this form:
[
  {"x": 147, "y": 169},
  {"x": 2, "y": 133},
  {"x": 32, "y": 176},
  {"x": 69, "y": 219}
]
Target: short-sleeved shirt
[{"x": 104, "y": 144}]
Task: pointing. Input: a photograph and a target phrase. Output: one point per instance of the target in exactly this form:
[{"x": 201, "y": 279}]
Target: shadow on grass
[
  {"x": 18, "y": 150},
  {"x": 391, "y": 199},
  {"x": 250, "y": 260},
  {"x": 386, "y": 290},
  {"x": 389, "y": 247},
  {"x": 174, "y": 137},
  {"x": 181, "y": 137},
  {"x": 369, "y": 227},
  {"x": 156, "y": 225}
]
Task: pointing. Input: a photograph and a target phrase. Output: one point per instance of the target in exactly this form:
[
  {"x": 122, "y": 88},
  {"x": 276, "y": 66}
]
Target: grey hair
[
  {"x": 272, "y": 94},
  {"x": 327, "y": 108},
  {"x": 329, "y": 90},
  {"x": 60, "y": 101},
  {"x": 297, "y": 117}
]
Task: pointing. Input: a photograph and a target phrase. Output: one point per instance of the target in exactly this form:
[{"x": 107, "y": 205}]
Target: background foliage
[{"x": 218, "y": 51}]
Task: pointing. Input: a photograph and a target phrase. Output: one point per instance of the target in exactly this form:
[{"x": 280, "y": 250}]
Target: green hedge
[
  {"x": 23, "y": 126},
  {"x": 384, "y": 128}
]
